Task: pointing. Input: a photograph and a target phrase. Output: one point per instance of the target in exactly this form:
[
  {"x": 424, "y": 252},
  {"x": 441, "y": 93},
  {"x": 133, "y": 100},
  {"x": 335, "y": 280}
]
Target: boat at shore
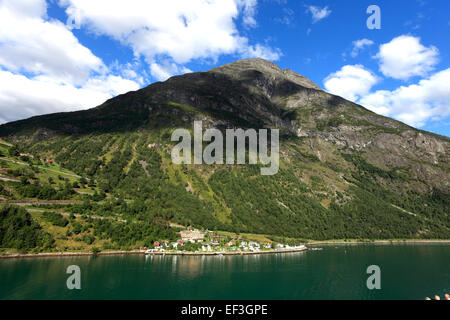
[{"x": 227, "y": 253}]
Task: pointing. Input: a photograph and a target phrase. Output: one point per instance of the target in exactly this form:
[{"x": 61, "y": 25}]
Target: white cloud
[
  {"x": 359, "y": 45},
  {"x": 29, "y": 43},
  {"x": 44, "y": 68},
  {"x": 47, "y": 69},
  {"x": 166, "y": 69},
  {"x": 250, "y": 9},
  {"x": 415, "y": 104},
  {"x": 109, "y": 86},
  {"x": 178, "y": 30},
  {"x": 22, "y": 97},
  {"x": 351, "y": 82},
  {"x": 405, "y": 57},
  {"x": 25, "y": 8},
  {"x": 287, "y": 18},
  {"x": 130, "y": 70},
  {"x": 260, "y": 51},
  {"x": 318, "y": 13}
]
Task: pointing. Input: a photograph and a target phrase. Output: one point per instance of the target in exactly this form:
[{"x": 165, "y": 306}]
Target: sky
[{"x": 67, "y": 55}]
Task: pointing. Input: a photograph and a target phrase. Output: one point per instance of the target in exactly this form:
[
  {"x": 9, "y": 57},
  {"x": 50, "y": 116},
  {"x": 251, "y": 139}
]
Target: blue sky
[{"x": 65, "y": 55}]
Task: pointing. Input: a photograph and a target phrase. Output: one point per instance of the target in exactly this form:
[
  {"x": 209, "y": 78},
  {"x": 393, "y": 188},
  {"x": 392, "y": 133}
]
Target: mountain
[{"x": 345, "y": 172}]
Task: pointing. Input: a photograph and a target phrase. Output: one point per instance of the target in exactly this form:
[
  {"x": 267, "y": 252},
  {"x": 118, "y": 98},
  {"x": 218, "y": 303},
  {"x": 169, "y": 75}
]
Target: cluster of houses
[
  {"x": 215, "y": 243},
  {"x": 253, "y": 246},
  {"x": 187, "y": 236}
]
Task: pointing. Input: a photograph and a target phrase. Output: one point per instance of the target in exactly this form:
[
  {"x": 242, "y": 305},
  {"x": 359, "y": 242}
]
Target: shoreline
[
  {"x": 239, "y": 253},
  {"x": 67, "y": 254},
  {"x": 233, "y": 253},
  {"x": 414, "y": 241},
  {"x": 137, "y": 252}
]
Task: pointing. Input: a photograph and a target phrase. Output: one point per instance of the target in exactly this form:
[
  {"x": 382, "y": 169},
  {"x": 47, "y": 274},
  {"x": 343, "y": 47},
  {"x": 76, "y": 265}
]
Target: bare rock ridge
[
  {"x": 268, "y": 68},
  {"x": 246, "y": 93}
]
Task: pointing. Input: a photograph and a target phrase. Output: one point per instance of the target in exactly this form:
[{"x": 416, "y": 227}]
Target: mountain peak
[
  {"x": 235, "y": 69},
  {"x": 249, "y": 64}
]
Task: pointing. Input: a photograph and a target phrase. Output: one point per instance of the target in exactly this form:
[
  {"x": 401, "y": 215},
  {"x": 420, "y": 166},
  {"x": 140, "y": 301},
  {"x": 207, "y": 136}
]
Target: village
[{"x": 193, "y": 241}]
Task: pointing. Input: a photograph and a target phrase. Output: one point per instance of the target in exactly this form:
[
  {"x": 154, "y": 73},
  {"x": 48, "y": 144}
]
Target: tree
[
  {"x": 13, "y": 151},
  {"x": 23, "y": 181},
  {"x": 46, "y": 192},
  {"x": 83, "y": 181},
  {"x": 20, "y": 231}
]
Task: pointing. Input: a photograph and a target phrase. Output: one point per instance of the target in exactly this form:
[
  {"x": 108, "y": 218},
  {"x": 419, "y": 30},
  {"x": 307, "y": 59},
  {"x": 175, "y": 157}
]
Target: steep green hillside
[{"x": 345, "y": 172}]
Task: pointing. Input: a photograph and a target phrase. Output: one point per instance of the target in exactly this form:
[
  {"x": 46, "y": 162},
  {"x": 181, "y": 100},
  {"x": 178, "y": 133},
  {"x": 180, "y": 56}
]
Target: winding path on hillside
[{"x": 43, "y": 168}]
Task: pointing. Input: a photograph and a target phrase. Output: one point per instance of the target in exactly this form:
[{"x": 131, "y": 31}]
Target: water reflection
[{"x": 408, "y": 272}]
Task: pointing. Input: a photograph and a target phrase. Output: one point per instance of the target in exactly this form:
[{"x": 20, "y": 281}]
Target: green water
[{"x": 336, "y": 272}]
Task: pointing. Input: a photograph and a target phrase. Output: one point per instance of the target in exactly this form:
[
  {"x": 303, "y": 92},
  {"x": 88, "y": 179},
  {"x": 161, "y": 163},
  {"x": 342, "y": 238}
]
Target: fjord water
[{"x": 335, "y": 272}]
